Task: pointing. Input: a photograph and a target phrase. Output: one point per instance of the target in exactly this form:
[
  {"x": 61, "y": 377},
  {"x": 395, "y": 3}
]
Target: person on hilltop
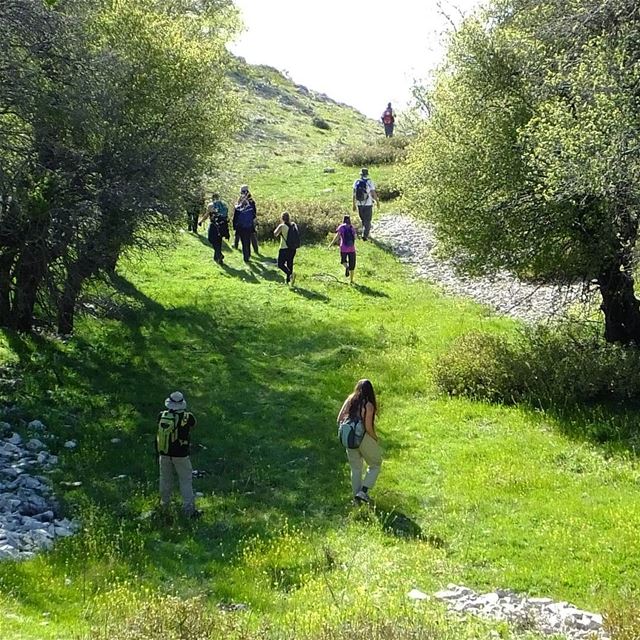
[
  {"x": 218, "y": 215},
  {"x": 364, "y": 195},
  {"x": 359, "y": 413},
  {"x": 346, "y": 232},
  {"x": 388, "y": 118},
  {"x": 289, "y": 236},
  {"x": 244, "y": 223},
  {"x": 172, "y": 447}
]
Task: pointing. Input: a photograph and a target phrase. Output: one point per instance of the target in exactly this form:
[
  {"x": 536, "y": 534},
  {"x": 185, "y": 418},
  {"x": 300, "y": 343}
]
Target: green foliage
[
  {"x": 321, "y": 123},
  {"x": 527, "y": 161},
  {"x": 314, "y": 219},
  {"x": 554, "y": 366},
  {"x": 382, "y": 151},
  {"x": 109, "y": 138}
]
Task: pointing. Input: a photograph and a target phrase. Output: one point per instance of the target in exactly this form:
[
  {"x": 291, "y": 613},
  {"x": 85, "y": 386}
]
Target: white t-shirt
[{"x": 371, "y": 187}]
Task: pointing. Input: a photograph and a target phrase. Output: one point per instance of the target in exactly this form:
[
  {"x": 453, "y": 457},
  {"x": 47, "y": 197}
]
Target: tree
[
  {"x": 115, "y": 110},
  {"x": 530, "y": 158}
]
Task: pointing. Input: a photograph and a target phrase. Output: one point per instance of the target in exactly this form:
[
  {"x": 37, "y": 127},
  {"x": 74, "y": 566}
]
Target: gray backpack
[{"x": 351, "y": 433}]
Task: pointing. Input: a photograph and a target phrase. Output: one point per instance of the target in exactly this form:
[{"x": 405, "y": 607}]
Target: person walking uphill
[
  {"x": 360, "y": 409},
  {"x": 347, "y": 234},
  {"x": 388, "y": 119},
  {"x": 218, "y": 214},
  {"x": 172, "y": 446},
  {"x": 364, "y": 195},
  {"x": 289, "y": 236},
  {"x": 244, "y": 222}
]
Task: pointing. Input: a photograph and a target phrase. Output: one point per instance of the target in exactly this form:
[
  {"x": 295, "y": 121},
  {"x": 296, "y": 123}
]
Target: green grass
[{"x": 473, "y": 493}]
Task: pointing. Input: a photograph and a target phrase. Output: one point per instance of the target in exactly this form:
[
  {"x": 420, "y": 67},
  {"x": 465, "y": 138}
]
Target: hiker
[
  {"x": 347, "y": 234},
  {"x": 289, "y": 236},
  {"x": 194, "y": 207},
  {"x": 245, "y": 209},
  {"x": 364, "y": 195},
  {"x": 218, "y": 215},
  {"x": 172, "y": 446},
  {"x": 388, "y": 118},
  {"x": 360, "y": 406}
]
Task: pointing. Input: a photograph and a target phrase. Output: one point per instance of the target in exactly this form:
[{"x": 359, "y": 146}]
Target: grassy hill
[{"x": 488, "y": 496}]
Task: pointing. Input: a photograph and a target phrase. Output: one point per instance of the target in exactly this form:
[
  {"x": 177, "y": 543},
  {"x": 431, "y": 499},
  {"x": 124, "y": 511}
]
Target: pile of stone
[
  {"x": 541, "y": 615},
  {"x": 28, "y": 509},
  {"x": 414, "y": 243}
]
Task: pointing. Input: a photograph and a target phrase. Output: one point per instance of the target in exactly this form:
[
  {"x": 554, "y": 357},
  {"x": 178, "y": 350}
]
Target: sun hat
[
  {"x": 364, "y": 171},
  {"x": 176, "y": 402}
]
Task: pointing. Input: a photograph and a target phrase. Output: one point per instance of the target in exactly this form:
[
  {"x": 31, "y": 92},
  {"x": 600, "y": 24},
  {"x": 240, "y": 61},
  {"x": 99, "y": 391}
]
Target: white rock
[
  {"x": 15, "y": 439},
  {"x": 36, "y": 425},
  {"x": 35, "y": 445},
  {"x": 416, "y": 594},
  {"x": 70, "y": 444}
]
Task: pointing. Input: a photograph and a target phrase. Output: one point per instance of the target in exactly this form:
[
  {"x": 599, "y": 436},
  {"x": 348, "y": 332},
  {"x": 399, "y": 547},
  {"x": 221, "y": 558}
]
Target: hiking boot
[
  {"x": 346, "y": 272},
  {"x": 195, "y": 514},
  {"x": 361, "y": 496}
]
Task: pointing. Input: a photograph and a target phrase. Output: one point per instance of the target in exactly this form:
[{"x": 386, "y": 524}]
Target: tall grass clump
[
  {"x": 557, "y": 365},
  {"x": 315, "y": 220},
  {"x": 623, "y": 621},
  {"x": 384, "y": 151}
]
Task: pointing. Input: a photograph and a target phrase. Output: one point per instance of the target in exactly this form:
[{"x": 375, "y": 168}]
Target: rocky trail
[{"x": 414, "y": 243}]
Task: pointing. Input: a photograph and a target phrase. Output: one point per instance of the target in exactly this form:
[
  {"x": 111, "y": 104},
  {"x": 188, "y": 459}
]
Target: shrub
[
  {"x": 477, "y": 366},
  {"x": 558, "y": 365},
  {"x": 314, "y": 219},
  {"x": 383, "y": 151},
  {"x": 321, "y": 123},
  {"x": 387, "y": 192}
]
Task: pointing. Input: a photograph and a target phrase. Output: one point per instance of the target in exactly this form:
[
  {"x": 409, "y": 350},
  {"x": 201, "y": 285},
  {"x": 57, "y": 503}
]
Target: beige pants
[
  {"x": 184, "y": 470},
  {"x": 369, "y": 451}
]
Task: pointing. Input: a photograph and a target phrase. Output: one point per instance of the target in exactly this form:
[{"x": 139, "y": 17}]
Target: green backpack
[{"x": 167, "y": 430}]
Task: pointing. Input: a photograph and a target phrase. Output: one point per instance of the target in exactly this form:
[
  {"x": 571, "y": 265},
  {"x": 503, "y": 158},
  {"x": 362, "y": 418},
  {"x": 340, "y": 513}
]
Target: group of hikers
[
  {"x": 356, "y": 418},
  {"x": 356, "y": 431},
  {"x": 244, "y": 221}
]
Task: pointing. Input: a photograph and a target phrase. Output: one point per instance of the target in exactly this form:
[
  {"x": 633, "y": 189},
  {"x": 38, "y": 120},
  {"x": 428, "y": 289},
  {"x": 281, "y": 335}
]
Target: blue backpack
[
  {"x": 245, "y": 218},
  {"x": 362, "y": 189}
]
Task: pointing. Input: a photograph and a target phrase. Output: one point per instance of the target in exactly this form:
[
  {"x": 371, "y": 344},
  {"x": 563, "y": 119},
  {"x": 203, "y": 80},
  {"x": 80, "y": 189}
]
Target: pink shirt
[{"x": 346, "y": 248}]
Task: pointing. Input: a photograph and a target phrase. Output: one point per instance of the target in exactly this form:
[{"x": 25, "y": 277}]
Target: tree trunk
[
  {"x": 77, "y": 273},
  {"x": 6, "y": 261},
  {"x": 620, "y": 306},
  {"x": 29, "y": 274}
]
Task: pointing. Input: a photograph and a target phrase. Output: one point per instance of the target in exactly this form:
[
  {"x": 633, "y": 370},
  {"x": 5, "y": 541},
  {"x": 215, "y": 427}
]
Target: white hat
[{"x": 176, "y": 402}]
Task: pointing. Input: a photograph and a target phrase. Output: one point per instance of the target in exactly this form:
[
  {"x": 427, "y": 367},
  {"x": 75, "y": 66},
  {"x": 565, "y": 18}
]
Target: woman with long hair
[
  {"x": 287, "y": 253},
  {"x": 361, "y": 406}
]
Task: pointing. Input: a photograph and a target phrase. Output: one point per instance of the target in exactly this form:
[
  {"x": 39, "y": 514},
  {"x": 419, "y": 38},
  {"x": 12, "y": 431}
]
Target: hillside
[
  {"x": 290, "y": 135},
  {"x": 490, "y": 496}
]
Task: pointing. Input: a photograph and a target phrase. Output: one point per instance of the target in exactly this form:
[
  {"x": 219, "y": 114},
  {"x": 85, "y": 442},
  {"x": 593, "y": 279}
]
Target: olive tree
[{"x": 530, "y": 158}]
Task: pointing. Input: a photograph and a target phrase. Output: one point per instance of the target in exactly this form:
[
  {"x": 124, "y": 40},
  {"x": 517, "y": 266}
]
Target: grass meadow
[{"x": 488, "y": 496}]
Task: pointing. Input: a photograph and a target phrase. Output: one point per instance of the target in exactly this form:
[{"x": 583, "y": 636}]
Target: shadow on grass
[
  {"x": 368, "y": 291},
  {"x": 310, "y": 295},
  {"x": 261, "y": 407}
]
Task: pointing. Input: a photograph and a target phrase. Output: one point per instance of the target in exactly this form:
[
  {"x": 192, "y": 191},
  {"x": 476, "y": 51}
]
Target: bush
[
  {"x": 384, "y": 151},
  {"x": 560, "y": 365},
  {"x": 321, "y": 123},
  {"x": 387, "y": 192},
  {"x": 315, "y": 220},
  {"x": 477, "y": 366}
]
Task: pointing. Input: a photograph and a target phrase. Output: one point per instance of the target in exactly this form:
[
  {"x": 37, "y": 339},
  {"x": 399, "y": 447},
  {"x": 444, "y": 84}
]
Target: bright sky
[{"x": 363, "y": 53}]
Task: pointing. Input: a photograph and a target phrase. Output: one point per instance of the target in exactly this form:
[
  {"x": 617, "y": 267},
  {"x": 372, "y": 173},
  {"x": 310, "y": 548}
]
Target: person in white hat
[{"x": 173, "y": 441}]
